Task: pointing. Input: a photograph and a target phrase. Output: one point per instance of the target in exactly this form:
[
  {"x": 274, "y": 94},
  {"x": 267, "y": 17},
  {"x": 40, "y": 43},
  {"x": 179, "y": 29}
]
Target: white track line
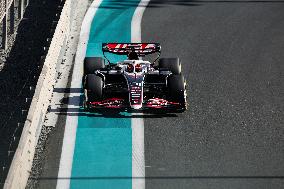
[
  {"x": 68, "y": 145},
  {"x": 137, "y": 124},
  {"x": 136, "y": 21}
]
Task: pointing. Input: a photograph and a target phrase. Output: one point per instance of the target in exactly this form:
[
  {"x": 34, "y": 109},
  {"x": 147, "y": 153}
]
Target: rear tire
[
  {"x": 172, "y": 64},
  {"x": 94, "y": 87},
  {"x": 177, "y": 90},
  {"x": 91, "y": 64}
]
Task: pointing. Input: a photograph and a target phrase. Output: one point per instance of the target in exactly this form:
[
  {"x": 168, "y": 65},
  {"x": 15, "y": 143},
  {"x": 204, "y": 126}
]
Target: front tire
[
  {"x": 177, "y": 91},
  {"x": 94, "y": 87}
]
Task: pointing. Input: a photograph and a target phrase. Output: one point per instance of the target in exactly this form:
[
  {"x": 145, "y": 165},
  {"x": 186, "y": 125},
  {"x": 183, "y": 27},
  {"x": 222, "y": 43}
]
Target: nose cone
[
  {"x": 136, "y": 106},
  {"x": 135, "y": 86}
]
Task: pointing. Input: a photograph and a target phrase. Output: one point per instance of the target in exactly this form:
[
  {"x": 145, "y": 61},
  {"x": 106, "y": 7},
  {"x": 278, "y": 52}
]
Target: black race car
[{"x": 134, "y": 84}]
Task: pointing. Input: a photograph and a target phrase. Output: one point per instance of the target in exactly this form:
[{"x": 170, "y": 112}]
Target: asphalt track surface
[{"x": 232, "y": 136}]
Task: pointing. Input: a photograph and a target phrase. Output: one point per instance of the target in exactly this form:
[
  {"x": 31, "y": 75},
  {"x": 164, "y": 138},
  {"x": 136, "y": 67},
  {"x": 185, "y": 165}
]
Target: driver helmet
[
  {"x": 138, "y": 68},
  {"x": 130, "y": 68}
]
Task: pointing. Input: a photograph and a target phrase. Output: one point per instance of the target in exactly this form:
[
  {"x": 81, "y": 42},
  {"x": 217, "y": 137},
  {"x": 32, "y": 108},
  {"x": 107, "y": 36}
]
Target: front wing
[{"x": 121, "y": 104}]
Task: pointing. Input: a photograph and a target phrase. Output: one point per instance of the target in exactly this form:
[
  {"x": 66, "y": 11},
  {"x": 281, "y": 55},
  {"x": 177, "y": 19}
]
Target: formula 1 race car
[{"x": 133, "y": 84}]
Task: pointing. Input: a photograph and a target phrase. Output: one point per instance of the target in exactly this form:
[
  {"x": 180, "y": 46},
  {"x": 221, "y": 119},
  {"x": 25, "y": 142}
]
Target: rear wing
[{"x": 141, "y": 49}]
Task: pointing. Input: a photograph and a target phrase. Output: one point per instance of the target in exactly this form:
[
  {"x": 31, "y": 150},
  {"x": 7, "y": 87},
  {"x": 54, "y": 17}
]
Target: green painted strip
[{"x": 103, "y": 149}]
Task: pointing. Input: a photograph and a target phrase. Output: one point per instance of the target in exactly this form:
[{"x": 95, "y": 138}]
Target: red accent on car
[
  {"x": 159, "y": 103},
  {"x": 109, "y": 103},
  {"x": 125, "y": 48},
  {"x": 138, "y": 68}
]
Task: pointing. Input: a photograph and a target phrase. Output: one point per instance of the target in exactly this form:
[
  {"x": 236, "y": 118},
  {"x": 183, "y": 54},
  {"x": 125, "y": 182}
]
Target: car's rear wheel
[
  {"x": 177, "y": 91},
  {"x": 91, "y": 64},
  {"x": 94, "y": 88},
  {"x": 172, "y": 64}
]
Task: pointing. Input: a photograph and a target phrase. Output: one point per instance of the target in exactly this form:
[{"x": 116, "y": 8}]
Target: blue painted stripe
[{"x": 103, "y": 149}]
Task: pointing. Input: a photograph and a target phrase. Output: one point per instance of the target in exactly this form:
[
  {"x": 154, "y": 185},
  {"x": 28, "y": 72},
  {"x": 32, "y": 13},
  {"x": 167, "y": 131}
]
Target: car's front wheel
[
  {"x": 94, "y": 88},
  {"x": 177, "y": 91}
]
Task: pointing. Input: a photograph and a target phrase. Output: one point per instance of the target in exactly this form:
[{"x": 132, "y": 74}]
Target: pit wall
[{"x": 23, "y": 158}]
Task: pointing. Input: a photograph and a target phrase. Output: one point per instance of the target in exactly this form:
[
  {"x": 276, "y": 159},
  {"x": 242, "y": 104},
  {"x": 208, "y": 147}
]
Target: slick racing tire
[
  {"x": 177, "y": 91},
  {"x": 94, "y": 87},
  {"x": 172, "y": 64},
  {"x": 91, "y": 64}
]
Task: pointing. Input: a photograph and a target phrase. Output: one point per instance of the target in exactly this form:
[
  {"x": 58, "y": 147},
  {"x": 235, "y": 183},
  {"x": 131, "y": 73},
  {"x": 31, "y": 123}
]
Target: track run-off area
[{"x": 232, "y": 135}]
